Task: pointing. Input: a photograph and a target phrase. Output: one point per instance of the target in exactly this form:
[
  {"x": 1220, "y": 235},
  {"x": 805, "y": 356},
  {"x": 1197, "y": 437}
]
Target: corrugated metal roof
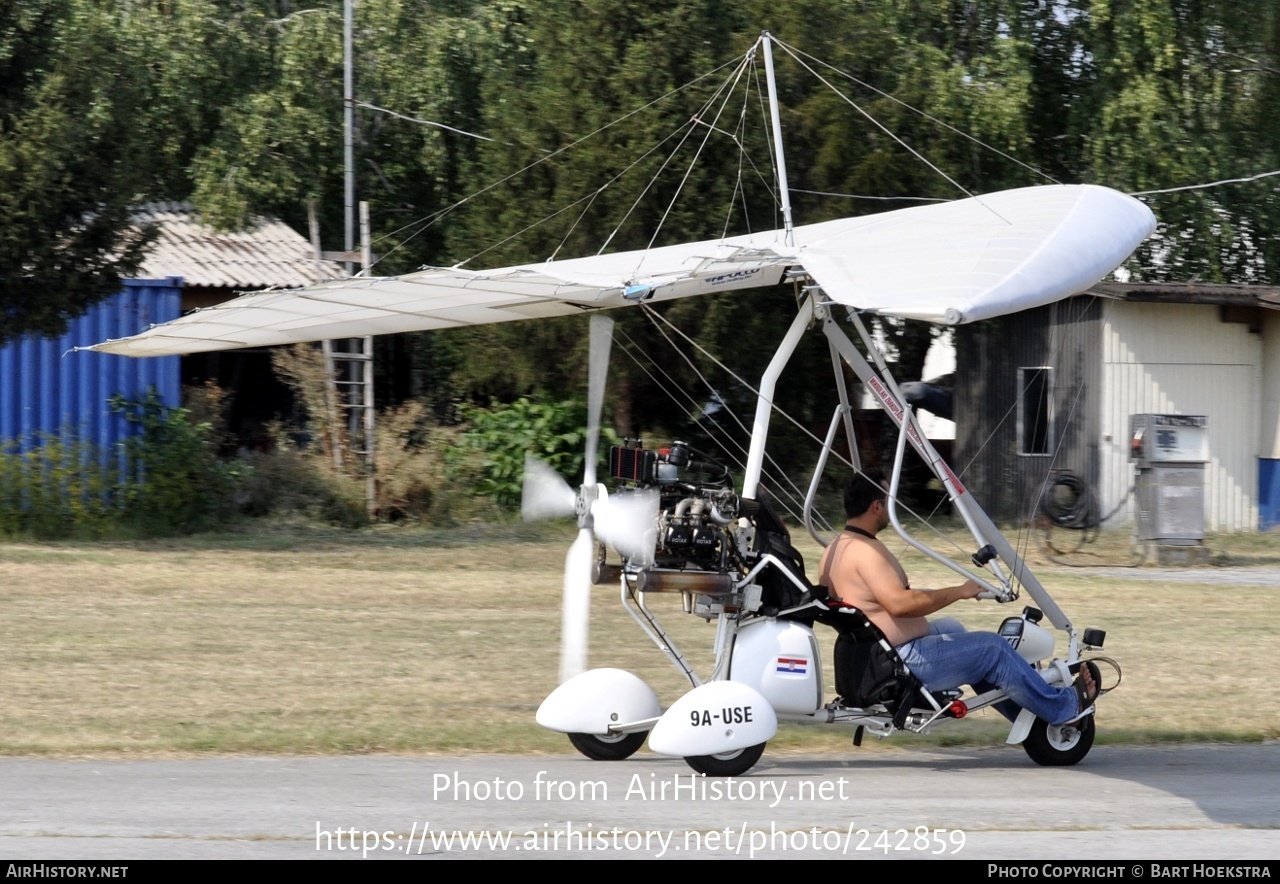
[
  {"x": 1247, "y": 295},
  {"x": 267, "y": 254}
]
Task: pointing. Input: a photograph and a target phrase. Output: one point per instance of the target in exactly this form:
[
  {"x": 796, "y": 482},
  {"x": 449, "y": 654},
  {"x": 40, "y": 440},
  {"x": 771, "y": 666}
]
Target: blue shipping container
[{"x": 46, "y": 389}]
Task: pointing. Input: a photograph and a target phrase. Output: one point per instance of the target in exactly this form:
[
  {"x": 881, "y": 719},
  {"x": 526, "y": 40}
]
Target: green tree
[
  {"x": 103, "y": 105},
  {"x": 243, "y": 105},
  {"x": 71, "y": 133},
  {"x": 1180, "y": 93},
  {"x": 279, "y": 143},
  {"x": 202, "y": 57}
]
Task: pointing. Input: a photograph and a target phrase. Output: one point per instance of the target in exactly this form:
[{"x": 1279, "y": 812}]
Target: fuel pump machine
[{"x": 1169, "y": 453}]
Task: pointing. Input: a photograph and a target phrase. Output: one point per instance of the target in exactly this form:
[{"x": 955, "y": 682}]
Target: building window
[{"x": 1035, "y": 410}]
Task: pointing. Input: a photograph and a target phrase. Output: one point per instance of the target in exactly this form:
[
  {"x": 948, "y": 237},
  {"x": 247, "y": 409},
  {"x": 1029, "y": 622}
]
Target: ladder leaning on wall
[{"x": 349, "y": 372}]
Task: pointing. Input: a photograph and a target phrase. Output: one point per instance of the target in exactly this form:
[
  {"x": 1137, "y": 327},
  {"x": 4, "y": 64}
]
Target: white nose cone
[{"x": 1035, "y": 644}]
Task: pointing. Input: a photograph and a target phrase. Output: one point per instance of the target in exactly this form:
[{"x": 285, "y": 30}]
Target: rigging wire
[
  {"x": 1055, "y": 346},
  {"x": 805, "y": 430},
  {"x": 1026, "y": 528},
  {"x": 723, "y": 435},
  {"x": 587, "y": 198},
  {"x": 739, "y": 140},
  {"x": 741, "y": 425},
  {"x": 726, "y": 89},
  {"x": 430, "y": 219},
  {"x": 1207, "y": 185},
  {"x": 887, "y": 131},
  {"x": 436, "y": 216},
  {"x": 1023, "y": 537},
  {"x": 432, "y": 123},
  {"x": 1136, "y": 193},
  {"x": 590, "y": 200},
  {"x": 865, "y": 85},
  {"x": 1080, "y": 517},
  {"x": 775, "y": 407},
  {"x": 738, "y": 184},
  {"x": 865, "y": 196},
  {"x": 766, "y": 126},
  {"x": 737, "y": 377},
  {"x": 924, "y": 520},
  {"x": 787, "y": 500}
]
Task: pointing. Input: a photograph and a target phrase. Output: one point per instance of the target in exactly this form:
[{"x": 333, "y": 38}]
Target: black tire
[
  {"x": 1059, "y": 745},
  {"x": 608, "y": 747},
  {"x": 727, "y": 764}
]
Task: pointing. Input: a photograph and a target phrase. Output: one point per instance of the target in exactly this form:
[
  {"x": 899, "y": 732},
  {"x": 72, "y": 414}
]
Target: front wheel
[
  {"x": 1059, "y": 745},
  {"x": 726, "y": 764},
  {"x": 608, "y": 747}
]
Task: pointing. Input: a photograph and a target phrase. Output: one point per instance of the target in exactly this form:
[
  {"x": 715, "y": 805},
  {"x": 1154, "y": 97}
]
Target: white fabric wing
[
  {"x": 451, "y": 297},
  {"x": 952, "y": 262}
]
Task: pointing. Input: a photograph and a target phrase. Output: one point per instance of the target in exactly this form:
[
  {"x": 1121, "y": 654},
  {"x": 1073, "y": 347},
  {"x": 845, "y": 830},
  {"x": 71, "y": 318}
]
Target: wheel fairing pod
[
  {"x": 589, "y": 703},
  {"x": 695, "y": 724}
]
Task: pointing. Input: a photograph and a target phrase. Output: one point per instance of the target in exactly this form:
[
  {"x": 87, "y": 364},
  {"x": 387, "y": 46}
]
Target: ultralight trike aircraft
[{"x": 674, "y": 518}]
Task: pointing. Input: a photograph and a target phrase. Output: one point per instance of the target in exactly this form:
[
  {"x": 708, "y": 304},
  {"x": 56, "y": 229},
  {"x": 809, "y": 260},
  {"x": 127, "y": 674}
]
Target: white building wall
[{"x": 1181, "y": 359}]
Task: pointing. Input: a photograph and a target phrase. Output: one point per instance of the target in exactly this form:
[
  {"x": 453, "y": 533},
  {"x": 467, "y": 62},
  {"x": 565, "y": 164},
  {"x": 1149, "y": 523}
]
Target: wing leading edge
[
  {"x": 952, "y": 262},
  {"x": 978, "y": 258}
]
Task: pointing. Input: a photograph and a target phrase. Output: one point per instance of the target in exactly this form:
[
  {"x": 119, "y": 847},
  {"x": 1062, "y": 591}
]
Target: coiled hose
[{"x": 1067, "y": 502}]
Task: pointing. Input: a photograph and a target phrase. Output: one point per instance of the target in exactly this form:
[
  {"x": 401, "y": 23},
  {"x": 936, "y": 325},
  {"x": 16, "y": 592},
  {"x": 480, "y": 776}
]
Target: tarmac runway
[{"x": 1194, "y": 802}]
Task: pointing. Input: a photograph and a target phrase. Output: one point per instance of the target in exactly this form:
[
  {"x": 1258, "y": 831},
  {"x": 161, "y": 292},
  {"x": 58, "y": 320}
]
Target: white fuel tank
[{"x": 780, "y": 659}]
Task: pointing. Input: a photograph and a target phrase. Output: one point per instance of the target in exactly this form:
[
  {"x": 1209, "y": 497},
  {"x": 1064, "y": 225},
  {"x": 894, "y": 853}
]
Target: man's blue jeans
[{"x": 949, "y": 656}]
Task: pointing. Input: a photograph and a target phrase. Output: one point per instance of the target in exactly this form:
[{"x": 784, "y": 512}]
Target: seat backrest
[{"x": 868, "y": 669}]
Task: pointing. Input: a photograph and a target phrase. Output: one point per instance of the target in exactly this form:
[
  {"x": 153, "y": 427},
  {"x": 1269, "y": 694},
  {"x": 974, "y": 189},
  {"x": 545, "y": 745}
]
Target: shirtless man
[{"x": 860, "y": 570}]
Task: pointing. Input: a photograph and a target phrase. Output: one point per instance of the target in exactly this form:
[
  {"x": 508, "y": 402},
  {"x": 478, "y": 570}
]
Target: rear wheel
[
  {"x": 726, "y": 764},
  {"x": 608, "y": 747},
  {"x": 1059, "y": 745}
]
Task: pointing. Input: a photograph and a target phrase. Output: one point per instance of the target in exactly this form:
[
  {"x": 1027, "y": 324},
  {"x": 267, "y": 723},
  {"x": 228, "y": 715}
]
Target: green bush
[
  {"x": 174, "y": 482},
  {"x": 57, "y": 488},
  {"x": 500, "y": 436},
  {"x": 167, "y": 478},
  {"x": 288, "y": 482}
]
